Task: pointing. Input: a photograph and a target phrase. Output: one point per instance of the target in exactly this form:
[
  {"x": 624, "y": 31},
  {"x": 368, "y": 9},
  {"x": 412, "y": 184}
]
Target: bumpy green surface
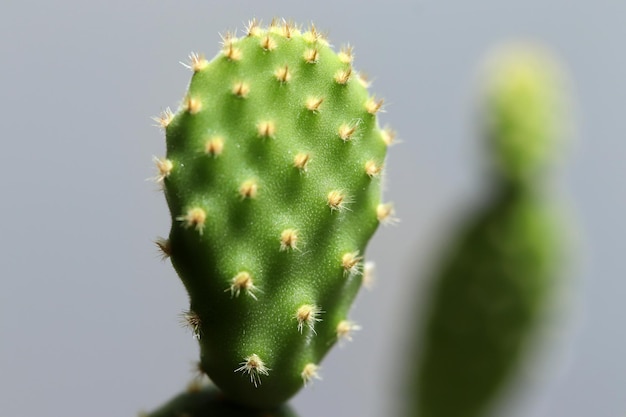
[
  {"x": 493, "y": 287},
  {"x": 239, "y": 192}
]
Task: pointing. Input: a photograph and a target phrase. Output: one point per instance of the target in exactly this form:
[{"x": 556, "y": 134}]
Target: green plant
[
  {"x": 494, "y": 285},
  {"x": 272, "y": 177},
  {"x": 206, "y": 400}
]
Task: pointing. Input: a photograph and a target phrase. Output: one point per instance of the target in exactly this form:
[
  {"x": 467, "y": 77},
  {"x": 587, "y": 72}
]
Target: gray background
[{"x": 88, "y": 312}]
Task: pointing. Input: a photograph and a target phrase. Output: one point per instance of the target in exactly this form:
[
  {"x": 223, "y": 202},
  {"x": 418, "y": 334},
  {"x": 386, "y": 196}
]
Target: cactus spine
[{"x": 272, "y": 177}]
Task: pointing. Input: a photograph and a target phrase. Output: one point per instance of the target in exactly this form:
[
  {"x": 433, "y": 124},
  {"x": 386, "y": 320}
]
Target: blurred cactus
[
  {"x": 495, "y": 282},
  {"x": 522, "y": 114}
]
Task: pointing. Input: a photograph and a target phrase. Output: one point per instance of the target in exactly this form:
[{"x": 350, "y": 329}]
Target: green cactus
[
  {"x": 204, "y": 401},
  {"x": 522, "y": 116},
  {"x": 495, "y": 283},
  {"x": 272, "y": 177}
]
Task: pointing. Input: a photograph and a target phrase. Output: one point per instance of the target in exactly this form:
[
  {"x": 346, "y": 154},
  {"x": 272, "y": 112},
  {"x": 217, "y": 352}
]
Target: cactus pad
[
  {"x": 495, "y": 283},
  {"x": 272, "y": 177}
]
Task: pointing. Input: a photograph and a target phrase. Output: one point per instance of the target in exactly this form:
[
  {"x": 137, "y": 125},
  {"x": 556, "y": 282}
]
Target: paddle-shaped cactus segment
[
  {"x": 494, "y": 285},
  {"x": 272, "y": 177}
]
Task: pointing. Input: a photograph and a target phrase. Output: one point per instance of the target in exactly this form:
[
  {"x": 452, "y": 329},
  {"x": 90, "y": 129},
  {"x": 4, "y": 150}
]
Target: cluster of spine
[
  {"x": 272, "y": 177},
  {"x": 494, "y": 285}
]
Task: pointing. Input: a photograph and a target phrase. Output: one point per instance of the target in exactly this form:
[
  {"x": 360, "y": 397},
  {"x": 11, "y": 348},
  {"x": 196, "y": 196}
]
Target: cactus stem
[
  {"x": 309, "y": 373},
  {"x": 373, "y": 106},
  {"x": 289, "y": 239},
  {"x": 192, "y": 105},
  {"x": 191, "y": 320},
  {"x": 248, "y": 189},
  {"x": 255, "y": 367},
  {"x": 345, "y": 330},
  {"x": 311, "y": 56},
  {"x": 372, "y": 169},
  {"x": 343, "y": 76},
  {"x": 164, "y": 166},
  {"x": 385, "y": 214},
  {"x": 346, "y": 54},
  {"x": 266, "y": 129},
  {"x": 164, "y": 247},
  {"x": 282, "y": 74},
  {"x": 214, "y": 146},
  {"x": 195, "y": 217},
  {"x": 164, "y": 119},
  {"x": 307, "y": 314},
  {"x": 351, "y": 263},
  {"x": 267, "y": 43},
  {"x": 337, "y": 200},
  {"x": 197, "y": 62},
  {"x": 242, "y": 282},
  {"x": 301, "y": 160}
]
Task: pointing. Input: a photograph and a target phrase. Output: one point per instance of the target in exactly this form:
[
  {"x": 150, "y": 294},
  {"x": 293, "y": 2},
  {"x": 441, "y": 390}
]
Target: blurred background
[{"x": 89, "y": 315}]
